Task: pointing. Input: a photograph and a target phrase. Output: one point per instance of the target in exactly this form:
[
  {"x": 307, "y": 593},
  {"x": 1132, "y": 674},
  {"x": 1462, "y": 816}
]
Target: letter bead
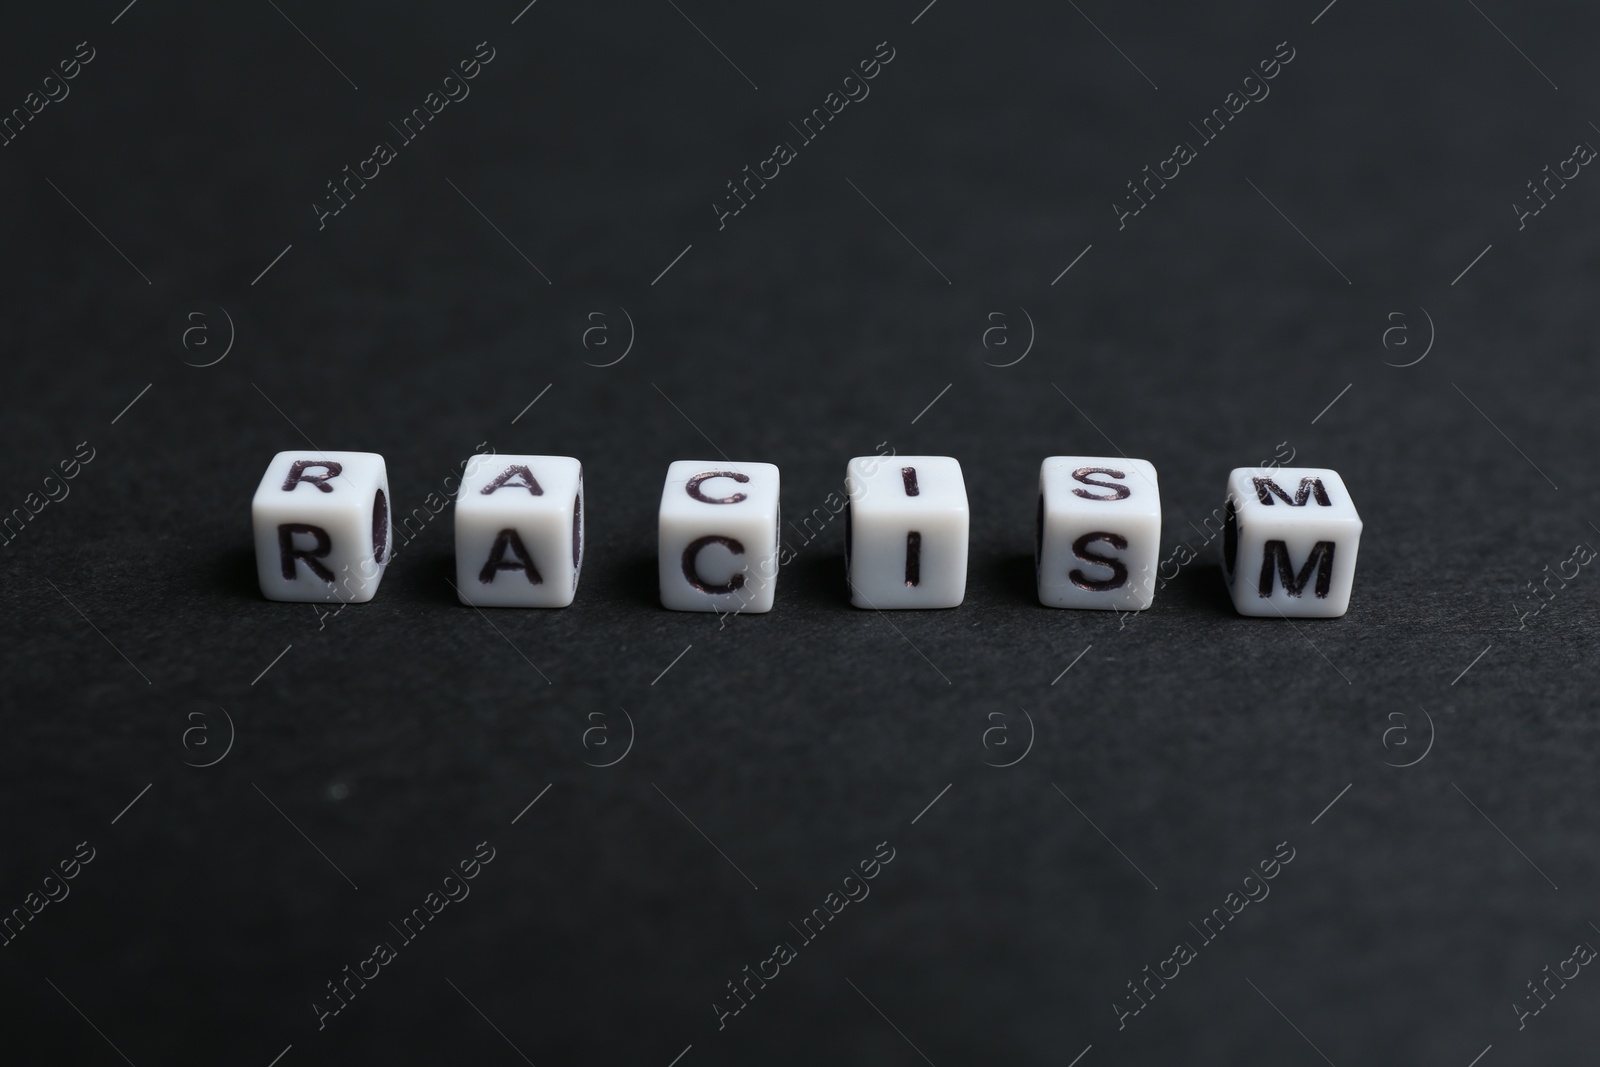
[
  {"x": 1097, "y": 533},
  {"x": 322, "y": 528},
  {"x": 906, "y": 532},
  {"x": 519, "y": 531},
  {"x": 718, "y": 536},
  {"x": 1289, "y": 542}
]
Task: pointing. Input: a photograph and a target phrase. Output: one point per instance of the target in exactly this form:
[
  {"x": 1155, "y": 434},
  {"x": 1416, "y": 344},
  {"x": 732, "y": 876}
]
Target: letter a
[
  {"x": 516, "y": 470},
  {"x": 507, "y": 542}
]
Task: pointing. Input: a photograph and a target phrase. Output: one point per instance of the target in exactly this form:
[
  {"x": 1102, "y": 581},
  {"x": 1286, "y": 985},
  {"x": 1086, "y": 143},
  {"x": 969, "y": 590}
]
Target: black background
[{"x": 398, "y": 734}]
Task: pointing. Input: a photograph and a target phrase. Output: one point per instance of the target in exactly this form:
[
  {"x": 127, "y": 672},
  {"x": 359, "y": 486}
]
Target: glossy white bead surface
[
  {"x": 718, "y": 536},
  {"x": 906, "y": 532},
  {"x": 1097, "y": 533},
  {"x": 322, "y": 526},
  {"x": 1289, "y": 544},
  {"x": 519, "y": 531}
]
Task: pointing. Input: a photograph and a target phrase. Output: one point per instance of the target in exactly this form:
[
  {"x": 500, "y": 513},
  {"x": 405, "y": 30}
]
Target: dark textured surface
[{"x": 400, "y": 733}]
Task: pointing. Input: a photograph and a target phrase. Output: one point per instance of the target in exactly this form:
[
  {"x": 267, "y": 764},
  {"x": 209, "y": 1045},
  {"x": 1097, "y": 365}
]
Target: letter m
[
  {"x": 1275, "y": 563},
  {"x": 1266, "y": 489}
]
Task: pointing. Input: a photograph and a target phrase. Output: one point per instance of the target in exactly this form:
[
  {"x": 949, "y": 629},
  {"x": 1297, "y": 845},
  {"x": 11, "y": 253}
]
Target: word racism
[
  {"x": 785, "y": 153},
  {"x": 1185, "y": 153},
  {"x": 33, "y": 903},
  {"x": 1185, "y": 953},
  {"x": 55, "y": 90},
  {"x": 1588, "y": 553},
  {"x": 33, "y": 503},
  {"x": 1582, "y": 156},
  {"x": 1582, "y": 956},
  {"x": 383, "y": 153},
  {"x": 785, "y": 952},
  {"x": 384, "y": 953}
]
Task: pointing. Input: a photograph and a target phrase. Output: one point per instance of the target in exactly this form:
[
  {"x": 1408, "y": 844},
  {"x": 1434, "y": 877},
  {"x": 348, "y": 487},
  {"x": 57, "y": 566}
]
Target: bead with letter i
[{"x": 906, "y": 532}]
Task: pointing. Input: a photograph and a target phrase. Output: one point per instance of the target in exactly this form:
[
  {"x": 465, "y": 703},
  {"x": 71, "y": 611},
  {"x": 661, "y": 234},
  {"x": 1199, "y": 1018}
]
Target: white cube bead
[
  {"x": 906, "y": 532},
  {"x": 519, "y": 531},
  {"x": 322, "y": 526},
  {"x": 1289, "y": 543},
  {"x": 1098, "y": 533},
  {"x": 718, "y": 536}
]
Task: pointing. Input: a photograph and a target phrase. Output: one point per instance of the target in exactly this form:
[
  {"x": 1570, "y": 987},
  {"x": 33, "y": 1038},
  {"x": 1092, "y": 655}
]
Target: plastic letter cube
[
  {"x": 906, "y": 532},
  {"x": 519, "y": 531},
  {"x": 322, "y": 526},
  {"x": 1289, "y": 543},
  {"x": 718, "y": 539},
  {"x": 1098, "y": 533}
]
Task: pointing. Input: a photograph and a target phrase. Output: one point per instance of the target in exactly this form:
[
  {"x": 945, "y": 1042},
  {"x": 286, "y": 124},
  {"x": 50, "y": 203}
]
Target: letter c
[
  {"x": 691, "y": 557},
  {"x": 693, "y": 487}
]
